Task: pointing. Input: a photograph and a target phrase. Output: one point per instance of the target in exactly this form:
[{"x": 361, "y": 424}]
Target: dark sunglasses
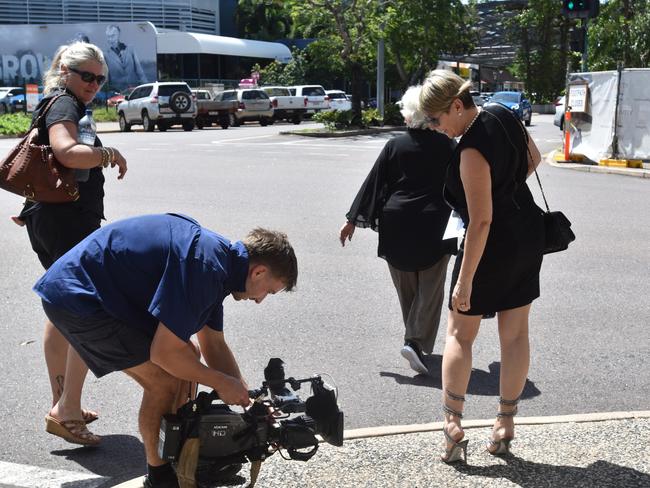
[{"x": 89, "y": 77}]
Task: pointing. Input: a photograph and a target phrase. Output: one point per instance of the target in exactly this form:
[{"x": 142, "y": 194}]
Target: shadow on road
[
  {"x": 120, "y": 458},
  {"x": 529, "y": 474},
  {"x": 481, "y": 382}
]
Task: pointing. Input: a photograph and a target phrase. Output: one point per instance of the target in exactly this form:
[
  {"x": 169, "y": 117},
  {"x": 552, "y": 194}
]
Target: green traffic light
[{"x": 570, "y": 5}]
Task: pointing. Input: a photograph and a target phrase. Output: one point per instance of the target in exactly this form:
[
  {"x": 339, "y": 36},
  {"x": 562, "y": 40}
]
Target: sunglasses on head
[{"x": 89, "y": 77}]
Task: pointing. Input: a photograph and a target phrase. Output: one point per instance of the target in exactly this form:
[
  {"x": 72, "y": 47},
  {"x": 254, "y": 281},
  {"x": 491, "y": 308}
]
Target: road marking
[
  {"x": 243, "y": 138},
  {"x": 25, "y": 476}
]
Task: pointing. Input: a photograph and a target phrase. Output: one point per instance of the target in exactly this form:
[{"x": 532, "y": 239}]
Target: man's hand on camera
[{"x": 233, "y": 391}]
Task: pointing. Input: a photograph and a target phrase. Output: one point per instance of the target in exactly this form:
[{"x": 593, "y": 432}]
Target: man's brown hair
[{"x": 272, "y": 249}]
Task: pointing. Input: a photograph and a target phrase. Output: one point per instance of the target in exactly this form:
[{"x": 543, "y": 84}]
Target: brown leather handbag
[{"x": 31, "y": 170}]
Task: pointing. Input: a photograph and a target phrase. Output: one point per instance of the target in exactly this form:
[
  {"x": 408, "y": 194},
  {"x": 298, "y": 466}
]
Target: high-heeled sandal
[
  {"x": 501, "y": 447},
  {"x": 458, "y": 449}
]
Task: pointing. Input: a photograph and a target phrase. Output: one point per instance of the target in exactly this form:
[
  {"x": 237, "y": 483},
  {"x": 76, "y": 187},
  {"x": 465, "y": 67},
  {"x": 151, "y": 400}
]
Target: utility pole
[
  {"x": 585, "y": 44},
  {"x": 380, "y": 68}
]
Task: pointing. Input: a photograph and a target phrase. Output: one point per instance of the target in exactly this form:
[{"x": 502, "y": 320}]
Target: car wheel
[
  {"x": 297, "y": 119},
  {"x": 188, "y": 126},
  {"x": 264, "y": 122},
  {"x": 180, "y": 102},
  {"x": 562, "y": 123},
  {"x": 3, "y": 109},
  {"x": 235, "y": 121},
  {"x": 147, "y": 123},
  {"x": 162, "y": 126},
  {"x": 527, "y": 122},
  {"x": 199, "y": 124},
  {"x": 124, "y": 125}
]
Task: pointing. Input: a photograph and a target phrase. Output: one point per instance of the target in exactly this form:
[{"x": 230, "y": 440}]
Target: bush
[
  {"x": 370, "y": 117},
  {"x": 105, "y": 115},
  {"x": 14, "y": 124},
  {"x": 392, "y": 115},
  {"x": 335, "y": 119}
]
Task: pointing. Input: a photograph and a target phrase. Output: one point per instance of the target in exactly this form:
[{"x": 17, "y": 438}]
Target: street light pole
[{"x": 380, "y": 68}]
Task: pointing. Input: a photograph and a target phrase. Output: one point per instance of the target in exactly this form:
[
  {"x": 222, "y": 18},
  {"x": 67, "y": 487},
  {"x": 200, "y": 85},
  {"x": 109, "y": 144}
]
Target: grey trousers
[{"x": 421, "y": 295}]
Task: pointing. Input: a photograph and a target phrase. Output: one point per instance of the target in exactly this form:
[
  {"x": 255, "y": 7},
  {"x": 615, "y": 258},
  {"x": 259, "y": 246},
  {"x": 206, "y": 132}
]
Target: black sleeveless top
[{"x": 507, "y": 275}]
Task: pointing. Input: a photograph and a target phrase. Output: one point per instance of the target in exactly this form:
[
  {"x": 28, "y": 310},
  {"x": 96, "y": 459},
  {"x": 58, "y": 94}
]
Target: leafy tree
[
  {"x": 416, "y": 32},
  {"x": 264, "y": 20},
  {"x": 541, "y": 31},
  {"x": 621, "y": 33},
  {"x": 343, "y": 26},
  {"x": 291, "y": 73}
]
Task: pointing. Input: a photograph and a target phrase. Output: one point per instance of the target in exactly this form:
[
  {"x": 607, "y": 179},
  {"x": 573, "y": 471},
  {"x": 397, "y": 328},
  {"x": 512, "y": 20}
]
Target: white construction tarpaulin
[
  {"x": 634, "y": 115},
  {"x": 594, "y": 131}
]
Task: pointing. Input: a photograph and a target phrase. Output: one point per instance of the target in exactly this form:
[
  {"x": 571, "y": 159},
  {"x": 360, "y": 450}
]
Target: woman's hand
[
  {"x": 460, "y": 298},
  {"x": 346, "y": 232},
  {"x": 120, "y": 162}
]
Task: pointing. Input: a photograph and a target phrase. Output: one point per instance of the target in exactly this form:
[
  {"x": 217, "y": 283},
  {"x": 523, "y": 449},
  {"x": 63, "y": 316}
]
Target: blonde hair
[
  {"x": 410, "y": 108},
  {"x": 441, "y": 88},
  {"x": 71, "y": 55}
]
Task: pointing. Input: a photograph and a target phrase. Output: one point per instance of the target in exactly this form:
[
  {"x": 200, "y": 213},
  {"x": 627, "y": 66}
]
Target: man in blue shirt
[{"x": 129, "y": 297}]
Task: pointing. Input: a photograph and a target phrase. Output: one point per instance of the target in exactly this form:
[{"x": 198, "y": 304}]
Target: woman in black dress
[{"x": 498, "y": 264}]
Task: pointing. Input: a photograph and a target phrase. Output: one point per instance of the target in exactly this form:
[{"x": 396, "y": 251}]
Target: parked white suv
[
  {"x": 161, "y": 103},
  {"x": 317, "y": 99}
]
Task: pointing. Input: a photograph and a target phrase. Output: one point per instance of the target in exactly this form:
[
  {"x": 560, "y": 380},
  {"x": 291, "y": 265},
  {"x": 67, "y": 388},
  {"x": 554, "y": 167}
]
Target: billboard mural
[{"x": 26, "y": 51}]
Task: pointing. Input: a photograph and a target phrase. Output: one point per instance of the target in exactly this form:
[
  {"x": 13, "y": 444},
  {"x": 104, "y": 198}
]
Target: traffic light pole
[{"x": 585, "y": 48}]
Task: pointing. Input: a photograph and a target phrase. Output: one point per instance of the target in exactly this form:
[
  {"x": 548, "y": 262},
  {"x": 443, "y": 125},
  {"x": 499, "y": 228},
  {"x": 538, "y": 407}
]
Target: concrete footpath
[{"x": 592, "y": 450}]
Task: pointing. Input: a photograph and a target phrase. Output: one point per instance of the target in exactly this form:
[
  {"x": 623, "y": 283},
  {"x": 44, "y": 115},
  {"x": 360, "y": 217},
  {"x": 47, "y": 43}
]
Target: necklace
[{"x": 472, "y": 122}]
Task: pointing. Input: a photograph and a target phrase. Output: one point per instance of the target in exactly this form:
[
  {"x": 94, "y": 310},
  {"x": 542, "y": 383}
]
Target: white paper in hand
[{"x": 455, "y": 228}]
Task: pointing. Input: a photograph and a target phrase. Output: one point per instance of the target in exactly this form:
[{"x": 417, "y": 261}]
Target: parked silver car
[
  {"x": 161, "y": 103},
  {"x": 559, "y": 113},
  {"x": 254, "y": 105}
]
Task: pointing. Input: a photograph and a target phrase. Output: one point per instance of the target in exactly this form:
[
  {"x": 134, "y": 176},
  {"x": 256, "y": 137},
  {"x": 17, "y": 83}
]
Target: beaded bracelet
[{"x": 105, "y": 157}]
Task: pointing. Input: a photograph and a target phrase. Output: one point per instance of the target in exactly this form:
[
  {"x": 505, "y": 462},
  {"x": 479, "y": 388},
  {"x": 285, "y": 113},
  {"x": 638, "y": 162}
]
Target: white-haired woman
[
  {"x": 77, "y": 73},
  {"x": 498, "y": 264},
  {"x": 401, "y": 198}
]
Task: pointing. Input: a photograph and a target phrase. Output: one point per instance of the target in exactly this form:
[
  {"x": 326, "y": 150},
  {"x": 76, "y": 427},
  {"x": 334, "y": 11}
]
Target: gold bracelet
[{"x": 105, "y": 155}]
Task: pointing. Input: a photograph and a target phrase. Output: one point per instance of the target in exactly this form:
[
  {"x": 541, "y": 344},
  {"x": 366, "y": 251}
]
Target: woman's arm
[
  {"x": 70, "y": 153},
  {"x": 475, "y": 176}
]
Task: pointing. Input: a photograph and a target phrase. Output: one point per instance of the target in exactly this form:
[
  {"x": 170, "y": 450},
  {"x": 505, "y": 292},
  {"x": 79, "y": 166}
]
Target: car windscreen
[
  {"x": 231, "y": 95},
  {"x": 202, "y": 96},
  {"x": 254, "y": 95},
  {"x": 505, "y": 97},
  {"x": 337, "y": 96},
  {"x": 169, "y": 90},
  {"x": 276, "y": 92},
  {"x": 313, "y": 91}
]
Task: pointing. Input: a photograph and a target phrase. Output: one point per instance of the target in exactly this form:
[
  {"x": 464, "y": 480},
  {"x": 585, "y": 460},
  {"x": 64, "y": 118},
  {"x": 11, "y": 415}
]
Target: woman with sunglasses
[
  {"x": 497, "y": 266},
  {"x": 77, "y": 73}
]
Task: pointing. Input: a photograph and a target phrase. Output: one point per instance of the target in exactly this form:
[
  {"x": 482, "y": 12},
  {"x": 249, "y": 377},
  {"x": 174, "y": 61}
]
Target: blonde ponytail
[{"x": 71, "y": 55}]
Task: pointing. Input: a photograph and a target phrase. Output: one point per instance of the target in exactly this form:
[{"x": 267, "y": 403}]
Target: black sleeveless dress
[{"x": 508, "y": 273}]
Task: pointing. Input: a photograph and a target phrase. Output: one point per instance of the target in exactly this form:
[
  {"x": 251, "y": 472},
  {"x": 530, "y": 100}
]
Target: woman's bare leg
[
  {"x": 457, "y": 366},
  {"x": 55, "y": 347},
  {"x": 515, "y": 360}
]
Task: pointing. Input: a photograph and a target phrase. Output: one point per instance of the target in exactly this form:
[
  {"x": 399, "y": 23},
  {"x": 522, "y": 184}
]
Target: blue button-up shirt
[{"x": 149, "y": 269}]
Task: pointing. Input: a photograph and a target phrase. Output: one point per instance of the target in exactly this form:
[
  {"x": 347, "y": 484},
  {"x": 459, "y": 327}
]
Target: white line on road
[
  {"x": 243, "y": 138},
  {"x": 25, "y": 476}
]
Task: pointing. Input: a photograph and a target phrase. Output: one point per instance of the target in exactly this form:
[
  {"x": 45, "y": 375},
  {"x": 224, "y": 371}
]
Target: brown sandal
[
  {"x": 89, "y": 416},
  {"x": 73, "y": 431}
]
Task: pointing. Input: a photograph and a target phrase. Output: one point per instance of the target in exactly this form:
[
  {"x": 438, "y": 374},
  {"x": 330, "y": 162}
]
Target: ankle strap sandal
[
  {"x": 447, "y": 409},
  {"x": 509, "y": 403}
]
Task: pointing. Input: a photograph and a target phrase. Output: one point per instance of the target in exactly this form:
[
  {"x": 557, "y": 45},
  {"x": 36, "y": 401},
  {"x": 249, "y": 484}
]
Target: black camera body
[{"x": 270, "y": 424}]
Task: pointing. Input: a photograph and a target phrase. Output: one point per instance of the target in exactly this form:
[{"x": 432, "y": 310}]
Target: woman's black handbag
[
  {"x": 557, "y": 227},
  {"x": 557, "y": 231}
]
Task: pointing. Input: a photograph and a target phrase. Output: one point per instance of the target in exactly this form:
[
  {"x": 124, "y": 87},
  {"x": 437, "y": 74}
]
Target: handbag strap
[
  {"x": 44, "y": 112},
  {"x": 539, "y": 182}
]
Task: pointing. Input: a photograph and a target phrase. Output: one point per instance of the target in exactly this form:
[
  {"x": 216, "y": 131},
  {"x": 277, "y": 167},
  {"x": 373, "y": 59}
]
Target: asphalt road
[{"x": 589, "y": 329}]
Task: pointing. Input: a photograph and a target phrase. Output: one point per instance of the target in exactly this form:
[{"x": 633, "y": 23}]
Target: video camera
[{"x": 228, "y": 438}]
